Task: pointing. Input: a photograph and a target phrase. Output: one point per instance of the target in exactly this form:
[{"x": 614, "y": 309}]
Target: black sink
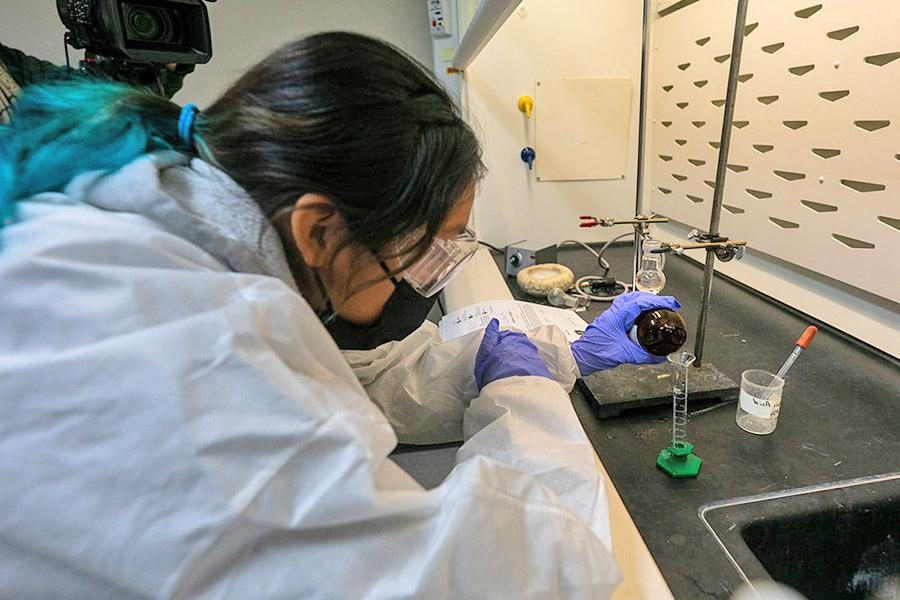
[{"x": 834, "y": 541}]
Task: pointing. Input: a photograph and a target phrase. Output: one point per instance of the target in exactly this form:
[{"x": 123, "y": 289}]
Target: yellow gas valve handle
[{"x": 526, "y": 105}]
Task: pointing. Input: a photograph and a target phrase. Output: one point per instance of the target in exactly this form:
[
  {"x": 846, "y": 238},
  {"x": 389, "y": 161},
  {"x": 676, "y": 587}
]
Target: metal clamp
[
  {"x": 639, "y": 221},
  {"x": 724, "y": 248},
  {"x": 706, "y": 237},
  {"x": 729, "y": 251}
]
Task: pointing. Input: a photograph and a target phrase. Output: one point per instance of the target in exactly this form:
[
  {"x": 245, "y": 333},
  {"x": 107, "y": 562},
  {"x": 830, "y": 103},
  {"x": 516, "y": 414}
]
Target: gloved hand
[
  {"x": 506, "y": 354},
  {"x": 605, "y": 343}
]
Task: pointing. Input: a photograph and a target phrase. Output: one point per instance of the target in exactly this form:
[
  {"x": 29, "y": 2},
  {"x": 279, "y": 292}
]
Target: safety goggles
[{"x": 442, "y": 262}]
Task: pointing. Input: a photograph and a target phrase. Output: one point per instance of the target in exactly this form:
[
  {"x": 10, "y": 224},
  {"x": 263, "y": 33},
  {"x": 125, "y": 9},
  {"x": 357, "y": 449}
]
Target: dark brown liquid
[{"x": 661, "y": 331}]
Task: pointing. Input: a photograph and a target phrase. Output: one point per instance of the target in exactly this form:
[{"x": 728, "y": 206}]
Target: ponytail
[{"x": 62, "y": 129}]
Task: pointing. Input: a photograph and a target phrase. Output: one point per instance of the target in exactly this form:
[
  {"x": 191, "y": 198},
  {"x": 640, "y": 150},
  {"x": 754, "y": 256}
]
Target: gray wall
[{"x": 244, "y": 31}]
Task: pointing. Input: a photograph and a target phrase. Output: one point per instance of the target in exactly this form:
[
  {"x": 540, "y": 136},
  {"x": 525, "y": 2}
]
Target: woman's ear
[{"x": 314, "y": 226}]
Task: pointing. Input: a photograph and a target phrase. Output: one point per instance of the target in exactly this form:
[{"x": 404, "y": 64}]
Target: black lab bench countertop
[{"x": 840, "y": 419}]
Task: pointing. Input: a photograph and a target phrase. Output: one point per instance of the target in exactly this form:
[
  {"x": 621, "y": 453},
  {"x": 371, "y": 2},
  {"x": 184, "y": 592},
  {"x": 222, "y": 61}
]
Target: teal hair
[{"x": 61, "y": 129}]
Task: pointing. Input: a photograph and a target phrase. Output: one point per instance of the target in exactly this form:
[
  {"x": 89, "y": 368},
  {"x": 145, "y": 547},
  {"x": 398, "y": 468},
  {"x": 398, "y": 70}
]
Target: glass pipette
[{"x": 801, "y": 345}]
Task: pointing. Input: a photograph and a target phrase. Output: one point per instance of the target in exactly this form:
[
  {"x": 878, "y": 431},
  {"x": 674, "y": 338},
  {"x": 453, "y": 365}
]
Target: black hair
[{"x": 356, "y": 120}]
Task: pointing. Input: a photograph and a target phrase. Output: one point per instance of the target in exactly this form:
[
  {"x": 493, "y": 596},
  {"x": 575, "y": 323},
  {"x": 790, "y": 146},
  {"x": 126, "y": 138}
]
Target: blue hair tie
[{"x": 186, "y": 122}]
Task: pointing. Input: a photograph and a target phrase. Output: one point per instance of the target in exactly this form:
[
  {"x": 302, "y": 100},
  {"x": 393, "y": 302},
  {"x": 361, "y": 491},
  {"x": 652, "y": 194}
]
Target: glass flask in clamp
[
  {"x": 679, "y": 460},
  {"x": 651, "y": 278}
]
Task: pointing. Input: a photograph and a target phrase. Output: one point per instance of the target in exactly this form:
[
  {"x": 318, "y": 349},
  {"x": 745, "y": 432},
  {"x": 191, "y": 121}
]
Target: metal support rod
[
  {"x": 589, "y": 221},
  {"x": 734, "y": 68},
  {"x": 641, "y": 221},
  {"x": 713, "y": 245},
  {"x": 642, "y": 117}
]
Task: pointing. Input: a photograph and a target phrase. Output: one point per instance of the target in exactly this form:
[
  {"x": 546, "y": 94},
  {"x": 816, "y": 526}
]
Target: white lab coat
[
  {"x": 424, "y": 385},
  {"x": 176, "y": 423}
]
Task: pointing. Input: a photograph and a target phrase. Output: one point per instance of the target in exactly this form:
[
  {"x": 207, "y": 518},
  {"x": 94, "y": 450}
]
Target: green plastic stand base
[{"x": 679, "y": 460}]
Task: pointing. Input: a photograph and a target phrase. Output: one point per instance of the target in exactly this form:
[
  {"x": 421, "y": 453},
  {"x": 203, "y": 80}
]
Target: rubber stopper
[{"x": 807, "y": 336}]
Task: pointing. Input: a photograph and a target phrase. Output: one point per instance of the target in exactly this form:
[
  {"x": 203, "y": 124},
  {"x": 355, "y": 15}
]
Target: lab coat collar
[{"x": 195, "y": 201}]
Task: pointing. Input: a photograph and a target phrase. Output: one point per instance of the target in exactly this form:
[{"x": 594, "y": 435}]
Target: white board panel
[
  {"x": 582, "y": 128},
  {"x": 814, "y": 174}
]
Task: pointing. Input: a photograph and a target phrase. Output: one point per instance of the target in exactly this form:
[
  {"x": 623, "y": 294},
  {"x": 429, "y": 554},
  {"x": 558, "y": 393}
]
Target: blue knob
[{"x": 528, "y": 155}]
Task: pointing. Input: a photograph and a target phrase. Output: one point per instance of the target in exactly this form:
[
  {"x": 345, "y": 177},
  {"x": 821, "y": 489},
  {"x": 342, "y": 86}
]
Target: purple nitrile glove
[
  {"x": 605, "y": 343},
  {"x": 506, "y": 354}
]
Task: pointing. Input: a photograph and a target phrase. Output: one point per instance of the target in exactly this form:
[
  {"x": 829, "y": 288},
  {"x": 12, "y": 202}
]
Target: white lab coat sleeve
[
  {"x": 528, "y": 423},
  {"x": 522, "y": 515},
  {"x": 424, "y": 385}
]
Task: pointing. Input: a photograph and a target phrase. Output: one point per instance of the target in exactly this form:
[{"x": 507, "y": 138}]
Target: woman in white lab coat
[{"x": 177, "y": 421}]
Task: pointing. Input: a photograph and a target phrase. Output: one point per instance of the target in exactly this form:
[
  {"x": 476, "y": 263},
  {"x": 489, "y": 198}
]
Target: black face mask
[{"x": 403, "y": 313}]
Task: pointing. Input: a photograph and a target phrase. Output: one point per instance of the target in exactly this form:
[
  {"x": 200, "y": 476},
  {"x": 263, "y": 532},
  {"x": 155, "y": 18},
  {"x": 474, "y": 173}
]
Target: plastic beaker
[{"x": 759, "y": 402}]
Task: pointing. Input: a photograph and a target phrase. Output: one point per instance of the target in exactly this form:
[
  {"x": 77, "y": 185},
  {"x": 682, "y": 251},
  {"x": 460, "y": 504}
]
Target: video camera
[{"x": 134, "y": 40}]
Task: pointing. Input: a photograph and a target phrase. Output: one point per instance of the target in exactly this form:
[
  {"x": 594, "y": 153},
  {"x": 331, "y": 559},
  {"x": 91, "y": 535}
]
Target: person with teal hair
[{"x": 177, "y": 420}]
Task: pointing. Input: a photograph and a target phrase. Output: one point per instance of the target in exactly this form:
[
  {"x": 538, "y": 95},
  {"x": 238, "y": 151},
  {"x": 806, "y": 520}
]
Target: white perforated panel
[{"x": 814, "y": 167}]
